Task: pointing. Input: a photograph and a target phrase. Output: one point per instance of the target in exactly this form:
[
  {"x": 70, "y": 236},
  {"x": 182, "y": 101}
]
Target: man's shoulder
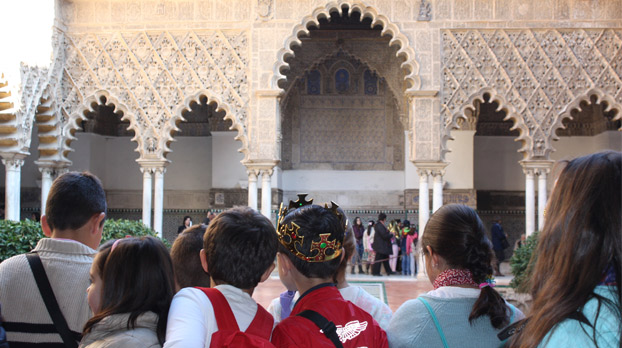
[{"x": 13, "y": 265}]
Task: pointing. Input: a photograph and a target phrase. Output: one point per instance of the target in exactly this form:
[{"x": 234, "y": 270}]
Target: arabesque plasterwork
[
  {"x": 533, "y": 74},
  {"x": 151, "y": 77}
]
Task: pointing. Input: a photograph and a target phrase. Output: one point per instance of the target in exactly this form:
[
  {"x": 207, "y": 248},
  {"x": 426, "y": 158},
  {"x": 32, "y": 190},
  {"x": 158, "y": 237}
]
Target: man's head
[
  {"x": 186, "y": 261},
  {"x": 76, "y": 208},
  {"x": 239, "y": 248},
  {"x": 312, "y": 238},
  {"x": 382, "y": 217}
]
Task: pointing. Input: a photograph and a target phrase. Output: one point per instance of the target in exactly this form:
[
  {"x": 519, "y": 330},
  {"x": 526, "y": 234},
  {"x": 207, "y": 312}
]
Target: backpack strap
[
  {"x": 224, "y": 316},
  {"x": 45, "y": 289},
  {"x": 436, "y": 322},
  {"x": 328, "y": 327},
  {"x": 261, "y": 325}
]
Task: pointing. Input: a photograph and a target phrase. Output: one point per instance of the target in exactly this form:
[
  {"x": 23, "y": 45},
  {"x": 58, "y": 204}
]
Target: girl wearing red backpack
[{"x": 131, "y": 289}]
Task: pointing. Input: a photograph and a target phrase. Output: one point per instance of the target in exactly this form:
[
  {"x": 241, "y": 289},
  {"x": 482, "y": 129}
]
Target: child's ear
[
  {"x": 267, "y": 273},
  {"x": 203, "y": 257},
  {"x": 45, "y": 227}
]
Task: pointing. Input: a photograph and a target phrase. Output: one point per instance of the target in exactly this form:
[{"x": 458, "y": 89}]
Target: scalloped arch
[
  {"x": 511, "y": 115},
  {"x": 71, "y": 126},
  {"x": 601, "y": 97},
  {"x": 171, "y": 126},
  {"x": 388, "y": 28}
]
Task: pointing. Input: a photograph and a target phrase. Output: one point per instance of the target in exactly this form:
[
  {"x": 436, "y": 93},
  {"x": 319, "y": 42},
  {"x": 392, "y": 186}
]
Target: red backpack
[{"x": 229, "y": 335}]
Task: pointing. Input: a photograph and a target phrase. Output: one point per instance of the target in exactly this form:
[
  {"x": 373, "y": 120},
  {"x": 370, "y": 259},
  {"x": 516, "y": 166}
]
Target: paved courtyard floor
[{"x": 393, "y": 290}]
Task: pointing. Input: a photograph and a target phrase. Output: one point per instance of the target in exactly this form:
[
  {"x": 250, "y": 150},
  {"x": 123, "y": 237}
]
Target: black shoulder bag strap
[
  {"x": 328, "y": 327},
  {"x": 43, "y": 283}
]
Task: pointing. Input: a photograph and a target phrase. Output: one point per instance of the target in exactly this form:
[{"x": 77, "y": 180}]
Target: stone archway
[{"x": 404, "y": 52}]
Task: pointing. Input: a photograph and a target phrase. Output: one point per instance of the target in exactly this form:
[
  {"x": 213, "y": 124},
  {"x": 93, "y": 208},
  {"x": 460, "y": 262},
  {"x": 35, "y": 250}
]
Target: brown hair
[
  {"x": 580, "y": 241},
  {"x": 137, "y": 278},
  {"x": 349, "y": 247},
  {"x": 186, "y": 261},
  {"x": 458, "y": 235}
]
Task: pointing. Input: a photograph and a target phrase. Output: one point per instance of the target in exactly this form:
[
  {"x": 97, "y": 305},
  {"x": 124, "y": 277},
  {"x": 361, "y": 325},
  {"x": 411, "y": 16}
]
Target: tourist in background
[
  {"x": 186, "y": 222},
  {"x": 575, "y": 282},
  {"x": 357, "y": 257},
  {"x": 368, "y": 240},
  {"x": 499, "y": 243},
  {"x": 382, "y": 246},
  {"x": 394, "y": 228},
  {"x": 463, "y": 310}
]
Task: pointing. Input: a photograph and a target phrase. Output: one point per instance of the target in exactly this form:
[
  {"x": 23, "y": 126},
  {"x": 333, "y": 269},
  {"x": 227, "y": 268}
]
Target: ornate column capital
[
  {"x": 431, "y": 168},
  {"x": 147, "y": 170},
  {"x": 13, "y": 163},
  {"x": 537, "y": 167},
  {"x": 252, "y": 174},
  {"x": 153, "y": 166}
]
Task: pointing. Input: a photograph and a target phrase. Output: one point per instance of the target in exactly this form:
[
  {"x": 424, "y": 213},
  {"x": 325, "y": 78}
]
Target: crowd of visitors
[{"x": 132, "y": 292}]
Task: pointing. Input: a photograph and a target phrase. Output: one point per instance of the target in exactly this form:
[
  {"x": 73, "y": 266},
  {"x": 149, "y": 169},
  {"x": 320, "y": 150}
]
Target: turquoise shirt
[
  {"x": 606, "y": 328},
  {"x": 412, "y": 325}
]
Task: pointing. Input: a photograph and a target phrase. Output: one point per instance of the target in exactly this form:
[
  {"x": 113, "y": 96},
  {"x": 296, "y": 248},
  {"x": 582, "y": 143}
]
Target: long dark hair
[
  {"x": 580, "y": 241},
  {"x": 370, "y": 225},
  {"x": 137, "y": 278},
  {"x": 458, "y": 235}
]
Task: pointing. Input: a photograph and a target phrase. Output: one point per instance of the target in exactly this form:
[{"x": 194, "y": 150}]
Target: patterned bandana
[{"x": 453, "y": 277}]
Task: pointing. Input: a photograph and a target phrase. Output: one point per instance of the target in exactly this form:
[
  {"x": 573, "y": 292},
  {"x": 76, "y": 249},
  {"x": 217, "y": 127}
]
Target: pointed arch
[
  {"x": 171, "y": 127},
  {"x": 469, "y": 106},
  {"x": 388, "y": 28}
]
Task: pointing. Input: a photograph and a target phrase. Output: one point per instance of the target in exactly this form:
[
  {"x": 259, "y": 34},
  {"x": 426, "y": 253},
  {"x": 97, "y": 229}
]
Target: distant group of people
[
  {"x": 132, "y": 292},
  {"x": 391, "y": 246}
]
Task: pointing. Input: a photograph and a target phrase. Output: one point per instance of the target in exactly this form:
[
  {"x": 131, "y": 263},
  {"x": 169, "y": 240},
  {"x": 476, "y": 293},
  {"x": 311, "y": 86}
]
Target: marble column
[
  {"x": 47, "y": 177},
  {"x": 13, "y": 187},
  {"x": 437, "y": 194},
  {"x": 542, "y": 173},
  {"x": 424, "y": 213},
  {"x": 266, "y": 192},
  {"x": 252, "y": 188},
  {"x": 147, "y": 194},
  {"x": 158, "y": 204},
  {"x": 530, "y": 202}
]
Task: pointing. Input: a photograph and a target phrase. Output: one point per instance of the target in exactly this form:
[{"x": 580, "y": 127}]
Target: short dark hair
[
  {"x": 73, "y": 199},
  {"x": 186, "y": 261},
  {"x": 313, "y": 221},
  {"x": 240, "y": 244},
  {"x": 382, "y": 217},
  {"x": 137, "y": 278}
]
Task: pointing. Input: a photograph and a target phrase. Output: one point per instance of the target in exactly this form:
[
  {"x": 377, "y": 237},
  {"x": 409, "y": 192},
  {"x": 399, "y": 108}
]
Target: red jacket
[{"x": 356, "y": 328}]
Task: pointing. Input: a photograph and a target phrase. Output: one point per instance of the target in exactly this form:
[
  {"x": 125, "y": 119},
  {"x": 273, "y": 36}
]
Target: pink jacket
[{"x": 409, "y": 242}]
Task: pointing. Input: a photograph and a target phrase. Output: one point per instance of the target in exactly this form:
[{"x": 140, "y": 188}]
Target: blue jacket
[
  {"x": 497, "y": 236},
  {"x": 605, "y": 325}
]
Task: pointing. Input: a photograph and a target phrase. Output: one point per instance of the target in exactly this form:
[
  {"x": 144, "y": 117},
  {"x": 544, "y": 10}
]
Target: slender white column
[
  {"x": 266, "y": 192},
  {"x": 437, "y": 194},
  {"x": 13, "y": 187},
  {"x": 252, "y": 188},
  {"x": 541, "y": 197},
  {"x": 47, "y": 177},
  {"x": 158, "y": 204},
  {"x": 424, "y": 214},
  {"x": 147, "y": 194},
  {"x": 530, "y": 202}
]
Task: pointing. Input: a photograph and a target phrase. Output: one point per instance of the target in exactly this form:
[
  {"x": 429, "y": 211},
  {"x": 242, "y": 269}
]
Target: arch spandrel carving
[
  {"x": 153, "y": 74},
  {"x": 404, "y": 52},
  {"x": 537, "y": 71},
  {"x": 468, "y": 107}
]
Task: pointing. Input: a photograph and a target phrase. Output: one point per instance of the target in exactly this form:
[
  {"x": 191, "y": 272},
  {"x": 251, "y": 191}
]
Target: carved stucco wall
[
  {"x": 152, "y": 76},
  {"x": 537, "y": 76}
]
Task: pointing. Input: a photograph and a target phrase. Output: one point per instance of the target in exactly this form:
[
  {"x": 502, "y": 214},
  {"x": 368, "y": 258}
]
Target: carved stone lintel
[{"x": 537, "y": 167}]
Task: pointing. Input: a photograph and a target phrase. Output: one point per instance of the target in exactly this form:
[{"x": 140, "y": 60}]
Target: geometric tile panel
[{"x": 538, "y": 72}]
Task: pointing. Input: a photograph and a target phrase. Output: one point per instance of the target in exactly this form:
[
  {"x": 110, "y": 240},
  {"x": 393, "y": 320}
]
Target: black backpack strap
[
  {"x": 43, "y": 283},
  {"x": 328, "y": 327}
]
